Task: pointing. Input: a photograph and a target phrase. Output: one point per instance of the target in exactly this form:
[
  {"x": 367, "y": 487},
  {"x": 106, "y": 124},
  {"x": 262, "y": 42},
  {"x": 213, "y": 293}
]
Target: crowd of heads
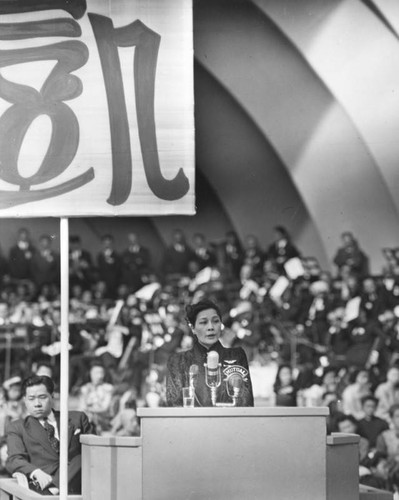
[{"x": 129, "y": 313}]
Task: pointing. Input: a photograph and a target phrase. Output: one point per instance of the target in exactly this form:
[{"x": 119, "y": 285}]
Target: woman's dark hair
[
  {"x": 326, "y": 371},
  {"x": 193, "y": 310},
  {"x": 277, "y": 381},
  {"x": 355, "y": 373},
  {"x": 369, "y": 397},
  {"x": 97, "y": 363},
  {"x": 38, "y": 380},
  {"x": 344, "y": 418}
]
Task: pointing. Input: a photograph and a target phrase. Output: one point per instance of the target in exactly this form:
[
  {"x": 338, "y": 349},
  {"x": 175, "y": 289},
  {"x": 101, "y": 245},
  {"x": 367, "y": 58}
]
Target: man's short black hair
[
  {"x": 75, "y": 238},
  {"x": 347, "y": 417},
  {"x": 38, "y": 380},
  {"x": 97, "y": 363},
  {"x": 369, "y": 397}
]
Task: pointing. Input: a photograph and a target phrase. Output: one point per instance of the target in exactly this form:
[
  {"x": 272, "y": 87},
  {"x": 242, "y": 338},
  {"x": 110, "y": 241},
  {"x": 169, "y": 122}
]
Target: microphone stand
[
  {"x": 234, "y": 396},
  {"x": 192, "y": 379},
  {"x": 214, "y": 382}
]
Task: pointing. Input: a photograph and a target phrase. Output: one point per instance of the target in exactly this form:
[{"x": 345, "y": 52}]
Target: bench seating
[{"x": 11, "y": 490}]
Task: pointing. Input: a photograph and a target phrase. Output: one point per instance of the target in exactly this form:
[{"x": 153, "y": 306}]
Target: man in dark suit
[{"x": 33, "y": 442}]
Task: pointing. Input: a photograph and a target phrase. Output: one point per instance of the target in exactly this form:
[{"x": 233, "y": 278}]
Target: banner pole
[{"x": 64, "y": 367}]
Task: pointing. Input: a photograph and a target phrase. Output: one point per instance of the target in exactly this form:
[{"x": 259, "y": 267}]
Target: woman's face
[
  {"x": 285, "y": 376},
  {"x": 362, "y": 378},
  {"x": 347, "y": 426},
  {"x": 97, "y": 375},
  {"x": 208, "y": 327},
  {"x": 330, "y": 381},
  {"x": 14, "y": 393}
]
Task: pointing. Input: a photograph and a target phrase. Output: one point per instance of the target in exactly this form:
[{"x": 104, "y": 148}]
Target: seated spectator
[
  {"x": 204, "y": 254},
  {"x": 363, "y": 336},
  {"x": 330, "y": 399},
  {"x": 284, "y": 387},
  {"x": 387, "y": 393},
  {"x": 388, "y": 445},
  {"x": 45, "y": 265},
  {"x": 154, "y": 390},
  {"x": 253, "y": 255},
  {"x": 12, "y": 408},
  {"x": 232, "y": 256},
  {"x": 33, "y": 442},
  {"x": 390, "y": 267},
  {"x": 370, "y": 426},
  {"x": 80, "y": 264},
  {"x": 113, "y": 344},
  {"x": 375, "y": 471},
  {"x": 136, "y": 263},
  {"x": 177, "y": 256},
  {"x": 282, "y": 249},
  {"x": 352, "y": 395},
  {"x": 337, "y": 331},
  {"x": 125, "y": 422},
  {"x": 347, "y": 286},
  {"x": 351, "y": 256},
  {"x": 20, "y": 256},
  {"x": 349, "y": 425},
  {"x": 314, "y": 315},
  {"x": 109, "y": 266},
  {"x": 247, "y": 327},
  {"x": 373, "y": 299},
  {"x": 315, "y": 394},
  {"x": 96, "y": 398},
  {"x": 388, "y": 345}
]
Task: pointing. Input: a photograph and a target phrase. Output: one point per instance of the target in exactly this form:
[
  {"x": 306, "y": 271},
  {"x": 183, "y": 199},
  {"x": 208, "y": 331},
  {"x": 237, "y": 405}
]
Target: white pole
[{"x": 64, "y": 371}]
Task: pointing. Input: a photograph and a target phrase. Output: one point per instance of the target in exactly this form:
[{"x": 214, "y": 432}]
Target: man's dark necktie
[{"x": 54, "y": 443}]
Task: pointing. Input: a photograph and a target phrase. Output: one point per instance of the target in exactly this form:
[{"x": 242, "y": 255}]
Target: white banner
[{"x": 96, "y": 108}]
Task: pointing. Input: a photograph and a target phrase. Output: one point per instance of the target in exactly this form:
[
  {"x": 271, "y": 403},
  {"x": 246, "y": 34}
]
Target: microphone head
[
  {"x": 235, "y": 381},
  {"x": 212, "y": 360},
  {"x": 193, "y": 370}
]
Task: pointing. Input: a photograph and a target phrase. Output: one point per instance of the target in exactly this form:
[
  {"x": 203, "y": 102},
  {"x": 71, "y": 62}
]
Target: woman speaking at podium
[{"x": 215, "y": 375}]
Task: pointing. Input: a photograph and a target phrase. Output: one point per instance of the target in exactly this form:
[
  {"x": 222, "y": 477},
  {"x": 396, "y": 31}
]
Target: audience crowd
[{"x": 333, "y": 337}]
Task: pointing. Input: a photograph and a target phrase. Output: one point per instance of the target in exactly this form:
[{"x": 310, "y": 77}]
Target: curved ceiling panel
[
  {"x": 245, "y": 171},
  {"x": 328, "y": 161},
  {"x": 357, "y": 56},
  {"x": 387, "y": 11},
  {"x": 390, "y": 11}
]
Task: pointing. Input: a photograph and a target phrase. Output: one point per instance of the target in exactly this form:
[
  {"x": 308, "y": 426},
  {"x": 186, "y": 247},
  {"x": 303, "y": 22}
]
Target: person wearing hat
[
  {"x": 13, "y": 398},
  {"x": 11, "y": 409},
  {"x": 205, "y": 320},
  {"x": 33, "y": 441},
  {"x": 281, "y": 249}
]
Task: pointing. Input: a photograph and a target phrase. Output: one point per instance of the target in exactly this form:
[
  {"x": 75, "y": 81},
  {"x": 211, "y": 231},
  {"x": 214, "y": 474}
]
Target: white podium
[
  {"x": 234, "y": 453},
  {"x": 222, "y": 454}
]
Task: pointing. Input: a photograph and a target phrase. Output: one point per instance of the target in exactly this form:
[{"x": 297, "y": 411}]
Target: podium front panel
[{"x": 237, "y": 453}]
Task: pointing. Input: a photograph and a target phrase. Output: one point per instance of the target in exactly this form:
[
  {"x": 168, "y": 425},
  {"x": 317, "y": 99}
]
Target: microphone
[
  {"x": 193, "y": 375},
  {"x": 235, "y": 382},
  {"x": 212, "y": 370}
]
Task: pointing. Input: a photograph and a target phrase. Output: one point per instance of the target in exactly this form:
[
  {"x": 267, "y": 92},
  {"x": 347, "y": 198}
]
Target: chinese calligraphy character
[
  {"x": 27, "y": 103},
  {"x": 146, "y": 42}
]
